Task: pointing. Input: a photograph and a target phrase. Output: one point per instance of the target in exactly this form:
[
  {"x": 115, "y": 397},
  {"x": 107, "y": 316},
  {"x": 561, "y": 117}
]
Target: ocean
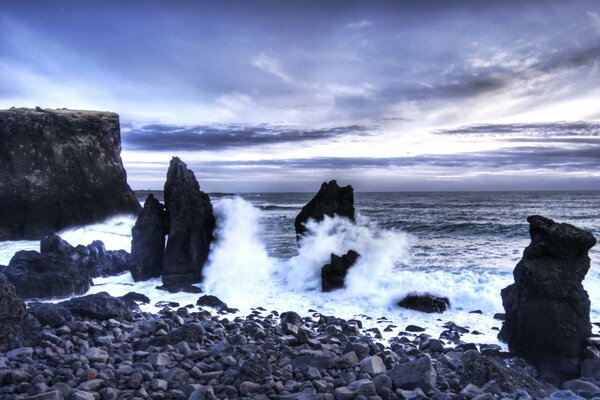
[{"x": 463, "y": 246}]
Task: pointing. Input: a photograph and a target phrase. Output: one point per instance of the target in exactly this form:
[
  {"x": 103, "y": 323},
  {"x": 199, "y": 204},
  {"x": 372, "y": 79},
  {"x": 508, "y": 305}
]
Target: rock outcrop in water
[
  {"x": 191, "y": 226},
  {"x": 425, "y": 303},
  {"x": 330, "y": 200},
  {"x": 148, "y": 240},
  {"x": 59, "y": 168},
  {"x": 61, "y": 270},
  {"x": 333, "y": 275},
  {"x": 547, "y": 308}
]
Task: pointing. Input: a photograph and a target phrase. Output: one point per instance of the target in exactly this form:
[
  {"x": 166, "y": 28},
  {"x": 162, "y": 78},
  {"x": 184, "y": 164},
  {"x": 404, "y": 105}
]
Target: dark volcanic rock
[
  {"x": 46, "y": 275},
  {"x": 547, "y": 309},
  {"x": 61, "y": 270},
  {"x": 425, "y": 303},
  {"x": 333, "y": 274},
  {"x": 12, "y": 313},
  {"x": 209, "y": 300},
  {"x": 191, "y": 226},
  {"x": 59, "y": 168},
  {"x": 100, "y": 306},
  {"x": 53, "y": 315},
  {"x": 330, "y": 200},
  {"x": 148, "y": 240}
]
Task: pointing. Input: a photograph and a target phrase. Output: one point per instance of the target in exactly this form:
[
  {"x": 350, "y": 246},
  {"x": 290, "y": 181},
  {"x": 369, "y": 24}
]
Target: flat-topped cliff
[{"x": 59, "y": 168}]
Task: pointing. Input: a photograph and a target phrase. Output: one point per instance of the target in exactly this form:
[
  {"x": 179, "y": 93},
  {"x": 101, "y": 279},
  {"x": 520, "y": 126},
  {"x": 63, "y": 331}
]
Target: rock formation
[
  {"x": 148, "y": 240},
  {"x": 12, "y": 313},
  {"x": 59, "y": 168},
  {"x": 547, "y": 308},
  {"x": 191, "y": 226},
  {"x": 333, "y": 274},
  {"x": 425, "y": 303},
  {"x": 330, "y": 200},
  {"x": 61, "y": 270}
]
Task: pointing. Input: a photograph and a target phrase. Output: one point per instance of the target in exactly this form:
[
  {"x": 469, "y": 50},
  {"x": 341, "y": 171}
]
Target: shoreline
[{"x": 190, "y": 352}]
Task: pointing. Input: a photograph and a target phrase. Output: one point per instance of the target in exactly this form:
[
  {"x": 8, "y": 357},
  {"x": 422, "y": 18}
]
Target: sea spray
[
  {"x": 238, "y": 264},
  {"x": 114, "y": 232}
]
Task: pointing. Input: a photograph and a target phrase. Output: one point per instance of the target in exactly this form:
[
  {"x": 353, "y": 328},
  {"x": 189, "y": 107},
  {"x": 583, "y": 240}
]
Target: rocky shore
[{"x": 106, "y": 348}]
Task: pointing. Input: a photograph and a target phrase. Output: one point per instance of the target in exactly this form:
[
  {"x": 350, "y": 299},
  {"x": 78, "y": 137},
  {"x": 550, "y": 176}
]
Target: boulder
[
  {"x": 333, "y": 275},
  {"x": 59, "y": 168},
  {"x": 100, "y": 306},
  {"x": 148, "y": 240},
  {"x": 330, "y": 200},
  {"x": 547, "y": 308},
  {"x": 12, "y": 314},
  {"x": 479, "y": 370},
  {"x": 209, "y": 300},
  {"x": 61, "y": 270},
  {"x": 191, "y": 226},
  {"x": 425, "y": 303},
  {"x": 50, "y": 314},
  {"x": 414, "y": 374}
]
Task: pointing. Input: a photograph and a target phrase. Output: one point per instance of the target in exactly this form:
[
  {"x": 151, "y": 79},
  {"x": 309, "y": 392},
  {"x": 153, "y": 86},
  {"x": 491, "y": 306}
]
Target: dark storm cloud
[
  {"x": 520, "y": 157},
  {"x": 534, "y": 129},
  {"x": 211, "y": 138}
]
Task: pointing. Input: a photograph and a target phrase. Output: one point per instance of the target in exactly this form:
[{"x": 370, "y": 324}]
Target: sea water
[{"x": 463, "y": 246}]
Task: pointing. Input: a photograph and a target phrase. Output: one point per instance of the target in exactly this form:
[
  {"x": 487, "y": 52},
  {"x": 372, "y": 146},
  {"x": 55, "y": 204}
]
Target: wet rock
[
  {"x": 12, "y": 316},
  {"x": 591, "y": 368},
  {"x": 136, "y": 297},
  {"x": 59, "y": 168},
  {"x": 547, "y": 308},
  {"x": 49, "y": 314},
  {"x": 330, "y": 200},
  {"x": 372, "y": 365},
  {"x": 333, "y": 275},
  {"x": 414, "y": 374},
  {"x": 148, "y": 240},
  {"x": 99, "y": 306},
  {"x": 191, "y": 226},
  {"x": 291, "y": 317},
  {"x": 425, "y": 303},
  {"x": 209, "y": 300},
  {"x": 414, "y": 328},
  {"x": 579, "y": 385}
]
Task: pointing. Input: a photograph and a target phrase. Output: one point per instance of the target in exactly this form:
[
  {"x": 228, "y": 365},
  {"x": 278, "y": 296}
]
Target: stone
[
  {"x": 578, "y": 385},
  {"x": 425, "y": 303},
  {"x": 159, "y": 360},
  {"x": 136, "y": 297},
  {"x": 344, "y": 393},
  {"x": 247, "y": 388},
  {"x": 95, "y": 354},
  {"x": 479, "y": 370},
  {"x": 51, "y": 395},
  {"x": 363, "y": 387},
  {"x": 372, "y": 365},
  {"x": 414, "y": 374},
  {"x": 59, "y": 168},
  {"x": 563, "y": 395},
  {"x": 93, "y": 385},
  {"x": 329, "y": 201},
  {"x": 209, "y": 300},
  {"x": 20, "y": 354},
  {"x": 203, "y": 393},
  {"x": 291, "y": 317},
  {"x": 50, "y": 314},
  {"x": 591, "y": 368},
  {"x": 547, "y": 308},
  {"x": 414, "y": 328},
  {"x": 333, "y": 275},
  {"x": 148, "y": 240},
  {"x": 81, "y": 395},
  {"x": 12, "y": 315},
  {"x": 100, "y": 306}
]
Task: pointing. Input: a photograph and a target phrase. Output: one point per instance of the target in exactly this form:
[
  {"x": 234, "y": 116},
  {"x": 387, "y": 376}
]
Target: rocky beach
[{"x": 57, "y": 341}]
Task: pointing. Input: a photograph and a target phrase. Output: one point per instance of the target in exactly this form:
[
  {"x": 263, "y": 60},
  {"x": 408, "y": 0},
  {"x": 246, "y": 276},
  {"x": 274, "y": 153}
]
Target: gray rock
[
  {"x": 591, "y": 368},
  {"x": 492, "y": 387},
  {"x": 20, "y": 354},
  {"x": 414, "y": 374},
  {"x": 372, "y": 365},
  {"x": 471, "y": 391},
  {"x": 80, "y": 395},
  {"x": 363, "y": 387},
  {"x": 95, "y": 354},
  {"x": 344, "y": 393},
  {"x": 159, "y": 360},
  {"x": 93, "y": 385},
  {"x": 577, "y": 385},
  {"x": 563, "y": 395},
  {"x": 52, "y": 395},
  {"x": 484, "y": 396},
  {"x": 203, "y": 393},
  {"x": 247, "y": 388}
]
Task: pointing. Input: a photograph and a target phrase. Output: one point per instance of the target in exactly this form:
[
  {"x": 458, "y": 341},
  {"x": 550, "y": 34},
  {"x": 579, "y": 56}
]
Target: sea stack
[
  {"x": 148, "y": 240},
  {"x": 547, "y": 308},
  {"x": 59, "y": 168},
  {"x": 330, "y": 200},
  {"x": 190, "y": 229}
]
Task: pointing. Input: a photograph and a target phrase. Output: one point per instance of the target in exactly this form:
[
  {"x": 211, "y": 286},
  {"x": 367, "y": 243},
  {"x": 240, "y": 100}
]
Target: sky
[{"x": 282, "y": 95}]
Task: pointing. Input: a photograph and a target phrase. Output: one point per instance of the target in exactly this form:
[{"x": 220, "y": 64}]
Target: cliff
[{"x": 59, "y": 168}]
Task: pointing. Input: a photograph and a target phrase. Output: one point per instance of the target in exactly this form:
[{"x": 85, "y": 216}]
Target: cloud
[
  {"x": 580, "y": 128},
  {"x": 158, "y": 137},
  {"x": 271, "y": 66},
  {"x": 363, "y": 23}
]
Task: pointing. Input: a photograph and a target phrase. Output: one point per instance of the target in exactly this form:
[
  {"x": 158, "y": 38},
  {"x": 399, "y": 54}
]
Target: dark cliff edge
[{"x": 59, "y": 168}]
